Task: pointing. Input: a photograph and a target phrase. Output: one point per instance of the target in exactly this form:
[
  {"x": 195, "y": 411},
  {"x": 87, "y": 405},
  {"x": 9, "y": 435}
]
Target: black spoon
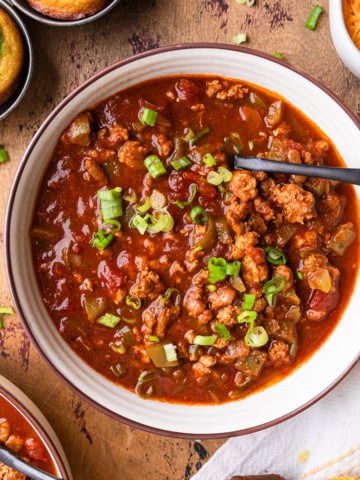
[
  {"x": 14, "y": 462},
  {"x": 257, "y": 164}
]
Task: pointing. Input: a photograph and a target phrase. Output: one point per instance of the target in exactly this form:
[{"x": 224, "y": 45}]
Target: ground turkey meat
[
  {"x": 243, "y": 243},
  {"x": 113, "y": 137},
  {"x": 243, "y": 185},
  {"x": 157, "y": 318},
  {"x": 297, "y": 204},
  {"x": 286, "y": 273},
  {"x": 254, "y": 267},
  {"x": 222, "y": 297},
  {"x": 148, "y": 285},
  {"x": 133, "y": 155},
  {"x": 193, "y": 301},
  {"x": 279, "y": 352}
]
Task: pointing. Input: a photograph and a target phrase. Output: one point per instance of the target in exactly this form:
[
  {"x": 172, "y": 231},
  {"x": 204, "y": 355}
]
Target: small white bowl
[
  {"x": 345, "y": 47},
  {"x": 38, "y": 422},
  {"x": 306, "y": 384}
]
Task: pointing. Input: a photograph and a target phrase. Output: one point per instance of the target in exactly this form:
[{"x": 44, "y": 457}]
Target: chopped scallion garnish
[
  {"x": 140, "y": 223},
  {"x": 115, "y": 223},
  {"x": 154, "y": 166},
  {"x": 110, "y": 203},
  {"x": 109, "y": 320},
  {"x": 102, "y": 239},
  {"x": 193, "y": 190},
  {"x": 144, "y": 207},
  {"x": 299, "y": 275},
  {"x": 198, "y": 136},
  {"x": 219, "y": 268},
  {"x": 149, "y": 117},
  {"x": 247, "y": 316},
  {"x": 274, "y": 256},
  {"x": 209, "y": 160},
  {"x": 168, "y": 295},
  {"x": 240, "y": 38},
  {"x": 5, "y": 311},
  {"x": 314, "y": 17},
  {"x": 4, "y": 156},
  {"x": 199, "y": 216},
  {"x": 278, "y": 55},
  {"x": 214, "y": 178},
  {"x": 226, "y": 174},
  {"x": 180, "y": 163},
  {"x": 222, "y": 331},
  {"x": 205, "y": 340},
  {"x": 257, "y": 337},
  {"x": 133, "y": 302},
  {"x": 153, "y": 338},
  {"x": 249, "y": 301},
  {"x": 251, "y": 144},
  {"x": 170, "y": 352}
]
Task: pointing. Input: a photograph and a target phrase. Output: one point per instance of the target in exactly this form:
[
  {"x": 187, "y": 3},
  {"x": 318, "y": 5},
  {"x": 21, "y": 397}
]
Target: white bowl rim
[
  {"x": 9, "y": 273},
  {"x": 11, "y": 393}
]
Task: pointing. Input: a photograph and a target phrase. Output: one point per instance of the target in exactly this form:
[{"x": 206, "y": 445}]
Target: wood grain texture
[{"x": 97, "y": 446}]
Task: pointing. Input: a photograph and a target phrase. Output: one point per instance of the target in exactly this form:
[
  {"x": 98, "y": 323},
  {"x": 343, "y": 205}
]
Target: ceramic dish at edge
[
  {"x": 345, "y": 47},
  {"x": 299, "y": 390},
  {"x": 33, "y": 415}
]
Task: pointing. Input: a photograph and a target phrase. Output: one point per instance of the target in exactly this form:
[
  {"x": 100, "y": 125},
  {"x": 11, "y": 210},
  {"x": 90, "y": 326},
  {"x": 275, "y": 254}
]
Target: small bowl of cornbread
[
  {"x": 65, "y": 13},
  {"x": 15, "y": 59}
]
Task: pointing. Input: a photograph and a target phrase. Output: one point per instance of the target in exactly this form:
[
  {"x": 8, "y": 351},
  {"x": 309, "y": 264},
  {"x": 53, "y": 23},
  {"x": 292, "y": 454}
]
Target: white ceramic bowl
[
  {"x": 345, "y": 47},
  {"x": 276, "y": 403},
  {"x": 42, "y": 427}
]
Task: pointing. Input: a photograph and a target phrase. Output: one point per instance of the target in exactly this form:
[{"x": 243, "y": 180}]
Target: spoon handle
[
  {"x": 257, "y": 164},
  {"x": 16, "y": 463}
]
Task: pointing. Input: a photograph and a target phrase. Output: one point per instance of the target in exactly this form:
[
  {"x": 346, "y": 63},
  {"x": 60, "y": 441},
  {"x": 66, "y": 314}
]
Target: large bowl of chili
[
  {"x": 26, "y": 432},
  {"x": 199, "y": 358}
]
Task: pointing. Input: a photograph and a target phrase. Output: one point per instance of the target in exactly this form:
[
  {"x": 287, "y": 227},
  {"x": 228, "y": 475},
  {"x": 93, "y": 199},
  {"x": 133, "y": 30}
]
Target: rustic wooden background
[{"x": 97, "y": 446}]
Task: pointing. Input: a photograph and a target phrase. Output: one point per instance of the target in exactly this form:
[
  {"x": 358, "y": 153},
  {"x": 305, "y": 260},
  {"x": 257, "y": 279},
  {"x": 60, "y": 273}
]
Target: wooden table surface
[{"x": 97, "y": 446}]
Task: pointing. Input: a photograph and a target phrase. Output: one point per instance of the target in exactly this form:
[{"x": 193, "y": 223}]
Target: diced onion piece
[
  {"x": 205, "y": 340},
  {"x": 342, "y": 239},
  {"x": 170, "y": 352},
  {"x": 238, "y": 284},
  {"x": 320, "y": 280},
  {"x": 258, "y": 337},
  {"x": 109, "y": 320},
  {"x": 157, "y": 200}
]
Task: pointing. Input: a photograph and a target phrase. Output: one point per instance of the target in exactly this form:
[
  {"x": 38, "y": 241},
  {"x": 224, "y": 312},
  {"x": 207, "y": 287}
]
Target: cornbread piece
[
  {"x": 11, "y": 56},
  {"x": 67, "y": 9}
]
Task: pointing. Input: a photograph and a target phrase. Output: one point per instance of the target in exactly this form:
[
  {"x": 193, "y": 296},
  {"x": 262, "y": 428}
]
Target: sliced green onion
[
  {"x": 7, "y": 311},
  {"x": 109, "y": 320},
  {"x": 102, "y": 239},
  {"x": 209, "y": 160},
  {"x": 314, "y": 17},
  {"x": 149, "y": 117},
  {"x": 249, "y": 301},
  {"x": 271, "y": 287},
  {"x": 4, "y": 156},
  {"x": 241, "y": 2},
  {"x": 247, "y": 317},
  {"x": 275, "y": 256},
  {"x": 211, "y": 288},
  {"x": 130, "y": 196},
  {"x": 199, "y": 216},
  {"x": 145, "y": 206},
  {"x": 180, "y": 163},
  {"x": 193, "y": 190},
  {"x": 111, "y": 204},
  {"x": 147, "y": 376},
  {"x": 168, "y": 294},
  {"x": 140, "y": 224},
  {"x": 250, "y": 3},
  {"x": 118, "y": 348},
  {"x": 170, "y": 352},
  {"x": 162, "y": 221},
  {"x": 240, "y": 38},
  {"x": 299, "y": 275},
  {"x": 258, "y": 337},
  {"x": 129, "y": 320},
  {"x": 278, "y": 55},
  {"x": 222, "y": 331},
  {"x": 214, "y": 178},
  {"x": 154, "y": 166},
  {"x": 115, "y": 223},
  {"x": 270, "y": 299},
  {"x": 198, "y": 136},
  {"x": 133, "y": 301},
  {"x": 1, "y": 322},
  {"x": 157, "y": 200},
  {"x": 153, "y": 338},
  {"x": 251, "y": 144},
  {"x": 217, "y": 268},
  {"x": 226, "y": 174},
  {"x": 145, "y": 388},
  {"x": 233, "y": 268},
  {"x": 189, "y": 135},
  {"x": 205, "y": 340},
  {"x": 198, "y": 248}
]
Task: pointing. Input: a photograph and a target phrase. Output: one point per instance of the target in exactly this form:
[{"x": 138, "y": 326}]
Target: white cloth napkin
[{"x": 326, "y": 434}]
